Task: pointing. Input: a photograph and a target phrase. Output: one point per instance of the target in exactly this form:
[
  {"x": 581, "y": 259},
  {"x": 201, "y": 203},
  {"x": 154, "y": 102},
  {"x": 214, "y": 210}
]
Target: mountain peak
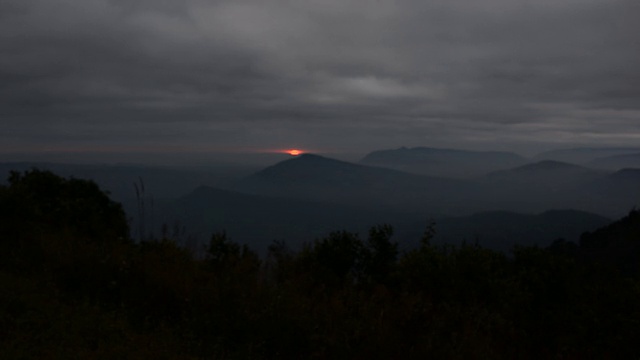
[
  {"x": 311, "y": 157},
  {"x": 311, "y": 160},
  {"x": 307, "y": 166}
]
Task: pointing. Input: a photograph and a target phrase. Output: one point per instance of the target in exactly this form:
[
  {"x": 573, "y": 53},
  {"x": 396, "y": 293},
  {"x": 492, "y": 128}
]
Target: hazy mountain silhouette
[
  {"x": 546, "y": 172},
  {"x": 160, "y": 183},
  {"x": 306, "y": 197},
  {"x": 619, "y": 192},
  {"x": 313, "y": 177},
  {"x": 530, "y": 188},
  {"x": 443, "y": 162},
  {"x": 545, "y": 185},
  {"x": 629, "y": 176},
  {"x": 258, "y": 220},
  {"x": 552, "y": 184},
  {"x": 501, "y": 230},
  {"x": 616, "y": 162},
  {"x": 583, "y": 155}
]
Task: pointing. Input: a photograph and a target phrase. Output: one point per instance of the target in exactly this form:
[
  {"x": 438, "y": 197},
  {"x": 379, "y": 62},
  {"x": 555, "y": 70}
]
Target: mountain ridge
[
  {"x": 583, "y": 155},
  {"x": 443, "y": 162},
  {"x": 314, "y": 177}
]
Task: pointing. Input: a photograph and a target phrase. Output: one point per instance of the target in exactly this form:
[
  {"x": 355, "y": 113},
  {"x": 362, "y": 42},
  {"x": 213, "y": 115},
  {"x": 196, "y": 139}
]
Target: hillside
[
  {"x": 76, "y": 286},
  {"x": 546, "y": 172},
  {"x": 257, "y": 220},
  {"x": 583, "y": 155},
  {"x": 500, "y": 230},
  {"x": 443, "y": 162},
  {"x": 617, "y": 243},
  {"x": 547, "y": 185},
  {"x": 161, "y": 182},
  {"x": 317, "y": 178},
  {"x": 616, "y": 162}
]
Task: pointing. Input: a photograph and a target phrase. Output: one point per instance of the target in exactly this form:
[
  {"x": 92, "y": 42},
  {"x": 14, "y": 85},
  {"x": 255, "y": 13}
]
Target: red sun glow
[{"x": 294, "y": 152}]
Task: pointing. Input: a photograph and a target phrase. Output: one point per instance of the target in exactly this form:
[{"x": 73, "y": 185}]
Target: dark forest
[{"x": 75, "y": 285}]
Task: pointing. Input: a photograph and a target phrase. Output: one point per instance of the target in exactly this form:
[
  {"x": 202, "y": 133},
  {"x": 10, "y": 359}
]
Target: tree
[
  {"x": 382, "y": 252},
  {"x": 40, "y": 201},
  {"x": 224, "y": 253}
]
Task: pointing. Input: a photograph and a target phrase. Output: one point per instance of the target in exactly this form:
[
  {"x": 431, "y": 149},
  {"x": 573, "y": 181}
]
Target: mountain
[
  {"x": 307, "y": 197},
  {"x": 530, "y": 188},
  {"x": 552, "y": 184},
  {"x": 625, "y": 230},
  {"x": 618, "y": 192},
  {"x": 443, "y": 162},
  {"x": 617, "y": 162},
  {"x": 625, "y": 176},
  {"x": 313, "y": 177},
  {"x": 501, "y": 230},
  {"x": 161, "y": 182},
  {"x": 583, "y": 155},
  {"x": 617, "y": 244},
  {"x": 546, "y": 172},
  {"x": 157, "y": 185},
  {"x": 258, "y": 220},
  {"x": 545, "y": 185}
]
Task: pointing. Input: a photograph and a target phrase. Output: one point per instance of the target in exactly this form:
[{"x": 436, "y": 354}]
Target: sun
[{"x": 294, "y": 152}]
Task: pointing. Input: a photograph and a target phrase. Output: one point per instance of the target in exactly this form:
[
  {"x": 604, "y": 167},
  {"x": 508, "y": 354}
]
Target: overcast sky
[{"x": 333, "y": 76}]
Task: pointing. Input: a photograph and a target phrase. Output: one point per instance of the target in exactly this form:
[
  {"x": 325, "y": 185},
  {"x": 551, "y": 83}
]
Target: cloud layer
[{"x": 332, "y": 75}]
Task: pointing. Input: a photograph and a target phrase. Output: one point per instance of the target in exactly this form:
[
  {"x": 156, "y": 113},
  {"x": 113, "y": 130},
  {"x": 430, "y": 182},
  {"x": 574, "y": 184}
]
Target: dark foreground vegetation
[{"x": 74, "y": 285}]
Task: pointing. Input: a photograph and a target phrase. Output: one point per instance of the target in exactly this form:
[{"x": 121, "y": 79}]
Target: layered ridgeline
[
  {"x": 502, "y": 230},
  {"x": 616, "y": 162},
  {"x": 75, "y": 285},
  {"x": 318, "y": 178},
  {"x": 587, "y": 155},
  {"x": 257, "y": 220},
  {"x": 457, "y": 163},
  {"x": 530, "y": 188},
  {"x": 302, "y": 198},
  {"x": 155, "y": 184},
  {"x": 552, "y": 184},
  {"x": 443, "y": 162}
]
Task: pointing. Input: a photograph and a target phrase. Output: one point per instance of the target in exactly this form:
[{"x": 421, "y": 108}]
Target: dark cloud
[{"x": 331, "y": 75}]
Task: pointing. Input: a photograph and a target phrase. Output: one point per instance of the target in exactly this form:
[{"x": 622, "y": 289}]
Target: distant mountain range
[
  {"x": 453, "y": 163},
  {"x": 616, "y": 162},
  {"x": 584, "y": 155},
  {"x": 305, "y": 197},
  {"x": 317, "y": 178},
  {"x": 502, "y": 230},
  {"x": 443, "y": 162},
  {"x": 528, "y": 188},
  {"x": 161, "y": 182},
  {"x": 258, "y": 220},
  {"x": 546, "y": 170}
]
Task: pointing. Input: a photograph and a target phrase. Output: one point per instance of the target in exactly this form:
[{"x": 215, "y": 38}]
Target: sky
[{"x": 172, "y": 79}]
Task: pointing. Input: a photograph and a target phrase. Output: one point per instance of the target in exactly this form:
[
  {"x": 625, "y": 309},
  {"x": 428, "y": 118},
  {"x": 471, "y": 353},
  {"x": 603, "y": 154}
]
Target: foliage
[
  {"x": 42, "y": 201},
  {"x": 76, "y": 292}
]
